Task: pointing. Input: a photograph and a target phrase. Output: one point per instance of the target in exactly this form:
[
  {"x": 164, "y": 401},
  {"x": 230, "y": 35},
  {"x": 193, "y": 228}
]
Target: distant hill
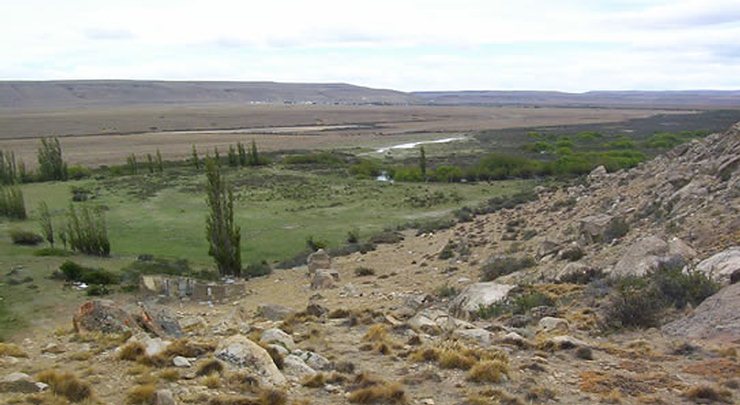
[
  {"x": 111, "y": 93},
  {"x": 115, "y": 93},
  {"x": 678, "y": 99}
]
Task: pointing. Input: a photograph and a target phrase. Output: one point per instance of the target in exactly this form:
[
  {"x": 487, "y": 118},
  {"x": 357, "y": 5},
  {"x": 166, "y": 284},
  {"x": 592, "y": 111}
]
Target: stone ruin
[{"x": 185, "y": 288}]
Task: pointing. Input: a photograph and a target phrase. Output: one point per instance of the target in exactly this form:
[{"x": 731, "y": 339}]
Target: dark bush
[
  {"x": 386, "y": 237},
  {"x": 498, "y": 266},
  {"x": 48, "y": 251},
  {"x": 26, "y": 238},
  {"x": 364, "y": 271},
  {"x": 97, "y": 290},
  {"x": 258, "y": 269},
  {"x": 679, "y": 288},
  {"x": 635, "y": 303},
  {"x": 75, "y": 272},
  {"x": 316, "y": 244}
]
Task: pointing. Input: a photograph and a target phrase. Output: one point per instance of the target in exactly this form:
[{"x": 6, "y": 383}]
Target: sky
[{"x": 408, "y": 45}]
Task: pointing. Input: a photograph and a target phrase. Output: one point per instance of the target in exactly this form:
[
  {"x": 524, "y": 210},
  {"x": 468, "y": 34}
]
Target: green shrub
[
  {"x": 521, "y": 304},
  {"x": 49, "y": 251},
  {"x": 27, "y": 238},
  {"x": 318, "y": 158},
  {"x": 679, "y": 288},
  {"x": 79, "y": 172},
  {"x": 316, "y": 244},
  {"x": 76, "y": 272},
  {"x": 446, "y": 291},
  {"x": 366, "y": 168},
  {"x": 498, "y": 266},
  {"x": 388, "y": 237},
  {"x": 12, "y": 204},
  {"x": 635, "y": 303},
  {"x": 364, "y": 271},
  {"x": 258, "y": 269},
  {"x": 98, "y": 290}
]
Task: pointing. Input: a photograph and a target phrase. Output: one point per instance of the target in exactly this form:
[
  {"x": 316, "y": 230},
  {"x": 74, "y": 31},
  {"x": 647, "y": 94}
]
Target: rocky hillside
[{"x": 620, "y": 289}]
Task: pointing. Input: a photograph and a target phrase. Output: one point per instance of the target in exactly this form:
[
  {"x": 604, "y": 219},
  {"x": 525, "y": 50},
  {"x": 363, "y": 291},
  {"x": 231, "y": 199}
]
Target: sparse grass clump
[
  {"x": 458, "y": 356},
  {"x": 170, "y": 374},
  {"x": 12, "y": 350},
  {"x": 66, "y": 385},
  {"x": 132, "y": 351},
  {"x": 364, "y": 272},
  {"x": 498, "y": 266},
  {"x": 212, "y": 381},
  {"x": 210, "y": 367},
  {"x": 584, "y": 353},
  {"x": 376, "y": 333},
  {"x": 315, "y": 381},
  {"x": 491, "y": 371},
  {"x": 141, "y": 395},
  {"x": 379, "y": 393},
  {"x": 703, "y": 394}
]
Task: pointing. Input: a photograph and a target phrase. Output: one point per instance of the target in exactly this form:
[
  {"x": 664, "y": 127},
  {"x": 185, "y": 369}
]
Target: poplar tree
[
  {"x": 47, "y": 227},
  {"x": 224, "y": 237}
]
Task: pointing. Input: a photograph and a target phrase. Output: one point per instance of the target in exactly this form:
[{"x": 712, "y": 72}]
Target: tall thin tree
[
  {"x": 224, "y": 237},
  {"x": 47, "y": 227}
]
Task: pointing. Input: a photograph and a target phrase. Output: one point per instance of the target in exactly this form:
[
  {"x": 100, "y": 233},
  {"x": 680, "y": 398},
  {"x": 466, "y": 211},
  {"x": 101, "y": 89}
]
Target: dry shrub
[
  {"x": 131, "y": 351},
  {"x": 493, "y": 397},
  {"x": 382, "y": 348},
  {"x": 492, "y": 371},
  {"x": 382, "y": 393},
  {"x": 602, "y": 383},
  {"x": 66, "y": 385},
  {"x": 275, "y": 355},
  {"x": 584, "y": 353},
  {"x": 273, "y": 397},
  {"x": 452, "y": 359},
  {"x": 376, "y": 333},
  {"x": 243, "y": 382},
  {"x": 12, "y": 350},
  {"x": 702, "y": 394},
  {"x": 339, "y": 313},
  {"x": 186, "y": 348},
  {"x": 457, "y": 355},
  {"x": 346, "y": 367},
  {"x": 233, "y": 400},
  {"x": 141, "y": 395},
  {"x": 714, "y": 368},
  {"x": 315, "y": 381},
  {"x": 170, "y": 374},
  {"x": 209, "y": 367},
  {"x": 80, "y": 356},
  {"x": 212, "y": 381},
  {"x": 425, "y": 354},
  {"x": 139, "y": 369}
]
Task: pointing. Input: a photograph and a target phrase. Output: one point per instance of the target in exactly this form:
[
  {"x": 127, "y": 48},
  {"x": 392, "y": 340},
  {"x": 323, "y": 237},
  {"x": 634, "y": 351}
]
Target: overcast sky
[{"x": 568, "y": 45}]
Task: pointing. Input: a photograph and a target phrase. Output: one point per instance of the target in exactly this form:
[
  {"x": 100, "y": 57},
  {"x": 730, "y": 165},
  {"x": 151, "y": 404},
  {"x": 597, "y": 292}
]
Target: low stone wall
[{"x": 188, "y": 288}]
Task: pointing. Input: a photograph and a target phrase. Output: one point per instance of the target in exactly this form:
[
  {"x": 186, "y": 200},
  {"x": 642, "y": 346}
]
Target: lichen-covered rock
[
  {"x": 647, "y": 254},
  {"x": 102, "y": 316},
  {"x": 476, "y": 296},
  {"x": 717, "y": 318},
  {"x": 722, "y": 265},
  {"x": 241, "y": 352},
  {"x": 277, "y": 336},
  {"x": 322, "y": 279}
]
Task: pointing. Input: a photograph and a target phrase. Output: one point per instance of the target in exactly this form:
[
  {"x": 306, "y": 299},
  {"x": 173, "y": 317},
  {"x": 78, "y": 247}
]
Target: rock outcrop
[
  {"x": 478, "y": 295},
  {"x": 102, "y": 316},
  {"x": 717, "y": 318},
  {"x": 241, "y": 352}
]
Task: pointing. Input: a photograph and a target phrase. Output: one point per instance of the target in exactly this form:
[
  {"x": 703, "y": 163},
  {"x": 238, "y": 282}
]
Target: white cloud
[{"x": 409, "y": 45}]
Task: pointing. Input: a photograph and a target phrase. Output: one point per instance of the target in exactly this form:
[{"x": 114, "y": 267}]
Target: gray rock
[
  {"x": 277, "y": 336},
  {"x": 551, "y": 324},
  {"x": 322, "y": 279},
  {"x": 722, "y": 265},
  {"x": 18, "y": 383},
  {"x": 314, "y": 360},
  {"x": 274, "y": 312},
  {"x": 478, "y": 295},
  {"x": 478, "y": 335},
  {"x": 647, "y": 254},
  {"x": 318, "y": 260},
  {"x": 102, "y": 316},
  {"x": 280, "y": 349},
  {"x": 566, "y": 342},
  {"x": 164, "y": 397},
  {"x": 574, "y": 272},
  {"x": 429, "y": 321},
  {"x": 242, "y": 352},
  {"x": 294, "y": 366},
  {"x": 717, "y": 318},
  {"x": 179, "y": 361}
]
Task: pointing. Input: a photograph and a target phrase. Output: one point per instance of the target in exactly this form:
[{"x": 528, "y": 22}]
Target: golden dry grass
[
  {"x": 383, "y": 393},
  {"x": 489, "y": 371},
  {"x": 12, "y": 350},
  {"x": 141, "y": 395},
  {"x": 65, "y": 384}
]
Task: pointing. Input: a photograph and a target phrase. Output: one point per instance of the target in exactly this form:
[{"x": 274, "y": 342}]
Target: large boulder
[
  {"x": 648, "y": 254},
  {"x": 478, "y": 295},
  {"x": 722, "y": 265},
  {"x": 601, "y": 228},
  {"x": 102, "y": 316},
  {"x": 159, "y": 321},
  {"x": 242, "y": 352},
  {"x": 20, "y": 383},
  {"x": 318, "y": 260},
  {"x": 314, "y": 360},
  {"x": 323, "y": 279},
  {"x": 295, "y": 367},
  {"x": 717, "y": 318},
  {"x": 274, "y": 312},
  {"x": 278, "y": 337}
]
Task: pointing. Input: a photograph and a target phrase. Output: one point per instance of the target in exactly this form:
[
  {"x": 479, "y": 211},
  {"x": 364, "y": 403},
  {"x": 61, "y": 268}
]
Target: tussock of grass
[
  {"x": 212, "y": 381},
  {"x": 211, "y": 366},
  {"x": 170, "y": 374},
  {"x": 314, "y": 381},
  {"x": 66, "y": 385},
  {"x": 131, "y": 351},
  {"x": 12, "y": 350},
  {"x": 376, "y": 333},
  {"x": 273, "y": 397},
  {"x": 491, "y": 371},
  {"x": 702, "y": 394},
  {"x": 452, "y": 359},
  {"x": 382, "y": 393},
  {"x": 141, "y": 395},
  {"x": 138, "y": 369},
  {"x": 457, "y": 355}
]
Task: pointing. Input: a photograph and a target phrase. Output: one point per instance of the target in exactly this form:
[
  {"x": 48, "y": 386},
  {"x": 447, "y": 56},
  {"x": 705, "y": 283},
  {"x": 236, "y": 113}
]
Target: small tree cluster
[
  {"x": 132, "y": 164},
  {"x": 51, "y": 163},
  {"x": 195, "y": 158},
  {"x": 8, "y": 168},
  {"x": 12, "y": 204},
  {"x": 224, "y": 237},
  {"x": 154, "y": 163},
  {"x": 87, "y": 231}
]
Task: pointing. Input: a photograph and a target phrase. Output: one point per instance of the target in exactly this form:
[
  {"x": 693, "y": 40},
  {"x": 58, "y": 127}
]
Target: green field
[{"x": 277, "y": 207}]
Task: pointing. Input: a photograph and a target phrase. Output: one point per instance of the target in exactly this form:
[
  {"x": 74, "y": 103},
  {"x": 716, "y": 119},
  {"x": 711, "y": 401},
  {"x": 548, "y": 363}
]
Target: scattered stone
[
  {"x": 717, "y": 318},
  {"x": 274, "y": 312},
  {"x": 478, "y": 335},
  {"x": 477, "y": 295},
  {"x": 649, "y": 253},
  {"x": 551, "y": 324},
  {"x": 597, "y": 228},
  {"x": 102, "y": 316},
  {"x": 18, "y": 383},
  {"x": 516, "y": 339},
  {"x": 318, "y": 260},
  {"x": 153, "y": 346},
  {"x": 543, "y": 311},
  {"x": 314, "y": 360},
  {"x": 192, "y": 323},
  {"x": 53, "y": 348},
  {"x": 179, "y": 361},
  {"x": 565, "y": 342},
  {"x": 722, "y": 265},
  {"x": 294, "y": 366},
  {"x": 575, "y": 272},
  {"x": 322, "y": 279},
  {"x": 316, "y": 310},
  {"x": 239, "y": 351},
  {"x": 277, "y": 336},
  {"x": 349, "y": 290},
  {"x": 159, "y": 321},
  {"x": 164, "y": 397},
  {"x": 429, "y": 321}
]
